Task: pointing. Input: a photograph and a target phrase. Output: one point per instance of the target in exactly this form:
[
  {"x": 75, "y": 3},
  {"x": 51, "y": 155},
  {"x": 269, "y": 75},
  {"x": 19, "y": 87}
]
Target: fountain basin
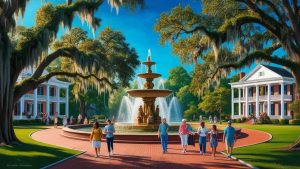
[
  {"x": 133, "y": 135},
  {"x": 149, "y": 75},
  {"x": 150, "y": 93}
]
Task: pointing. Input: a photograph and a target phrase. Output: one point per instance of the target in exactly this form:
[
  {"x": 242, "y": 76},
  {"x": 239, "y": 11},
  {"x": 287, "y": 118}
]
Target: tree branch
[
  {"x": 64, "y": 52},
  {"x": 32, "y": 83},
  {"x": 264, "y": 54},
  {"x": 262, "y": 14}
]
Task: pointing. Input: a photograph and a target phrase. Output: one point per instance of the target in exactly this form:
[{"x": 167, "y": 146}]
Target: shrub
[
  {"x": 238, "y": 120},
  {"x": 296, "y": 115},
  {"x": 27, "y": 122},
  {"x": 243, "y": 119},
  {"x": 294, "y": 122},
  {"x": 283, "y": 121},
  {"x": 101, "y": 116},
  {"x": 275, "y": 121},
  {"x": 295, "y": 106},
  {"x": 264, "y": 118}
]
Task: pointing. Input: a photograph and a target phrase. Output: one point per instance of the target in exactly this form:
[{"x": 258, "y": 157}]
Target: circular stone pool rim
[{"x": 140, "y": 138}]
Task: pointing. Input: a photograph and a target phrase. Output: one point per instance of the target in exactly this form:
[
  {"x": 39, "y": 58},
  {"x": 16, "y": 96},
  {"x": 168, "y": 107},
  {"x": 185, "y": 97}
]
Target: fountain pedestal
[{"x": 148, "y": 114}]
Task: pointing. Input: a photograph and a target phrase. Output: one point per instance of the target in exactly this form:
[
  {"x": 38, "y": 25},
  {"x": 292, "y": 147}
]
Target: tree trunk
[
  {"x": 296, "y": 73},
  {"x": 7, "y": 134},
  {"x": 82, "y": 108}
]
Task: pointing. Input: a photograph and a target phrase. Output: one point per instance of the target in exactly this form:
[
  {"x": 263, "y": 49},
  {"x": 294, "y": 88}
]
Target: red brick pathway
[{"x": 145, "y": 155}]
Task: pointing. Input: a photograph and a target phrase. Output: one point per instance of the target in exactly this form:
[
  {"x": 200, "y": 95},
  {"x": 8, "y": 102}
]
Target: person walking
[
  {"x": 183, "y": 133},
  {"x": 65, "y": 121},
  {"x": 202, "y": 131},
  {"x": 109, "y": 130},
  {"x": 163, "y": 134},
  {"x": 95, "y": 138},
  {"x": 55, "y": 119},
  {"x": 229, "y": 138},
  {"x": 213, "y": 141}
]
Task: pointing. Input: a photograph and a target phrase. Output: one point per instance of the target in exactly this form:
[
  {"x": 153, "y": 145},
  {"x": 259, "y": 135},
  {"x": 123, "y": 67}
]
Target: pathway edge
[{"x": 60, "y": 161}]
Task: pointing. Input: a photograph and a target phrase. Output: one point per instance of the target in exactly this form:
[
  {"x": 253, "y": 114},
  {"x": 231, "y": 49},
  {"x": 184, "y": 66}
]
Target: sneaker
[
  {"x": 96, "y": 156},
  {"x": 99, "y": 155},
  {"x": 108, "y": 154},
  {"x": 183, "y": 151},
  {"x": 201, "y": 152},
  {"x": 112, "y": 152},
  {"x": 228, "y": 156}
]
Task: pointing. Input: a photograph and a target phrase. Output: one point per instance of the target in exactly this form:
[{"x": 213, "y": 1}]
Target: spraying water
[{"x": 169, "y": 106}]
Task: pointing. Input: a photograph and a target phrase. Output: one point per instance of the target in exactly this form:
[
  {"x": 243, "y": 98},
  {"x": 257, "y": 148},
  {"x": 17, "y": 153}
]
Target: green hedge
[
  {"x": 275, "y": 121},
  {"x": 27, "y": 122},
  {"x": 297, "y": 116},
  {"x": 294, "y": 122},
  {"x": 283, "y": 121}
]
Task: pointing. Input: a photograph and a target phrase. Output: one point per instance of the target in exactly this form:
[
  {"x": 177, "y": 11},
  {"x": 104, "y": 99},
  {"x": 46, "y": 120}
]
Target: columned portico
[
  {"x": 257, "y": 101},
  {"x": 239, "y": 101},
  {"x": 35, "y": 104},
  {"x": 282, "y": 101},
  {"x": 46, "y": 98},
  {"x": 265, "y": 89},
  {"x": 58, "y": 100},
  {"x": 269, "y": 100}
]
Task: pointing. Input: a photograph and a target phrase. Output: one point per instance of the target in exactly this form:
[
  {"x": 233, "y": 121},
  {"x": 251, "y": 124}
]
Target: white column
[
  {"x": 239, "y": 101},
  {"x": 21, "y": 107},
  {"x": 246, "y": 104},
  {"x": 232, "y": 103},
  {"x": 48, "y": 99},
  {"x": 257, "y": 101},
  {"x": 58, "y": 100},
  {"x": 35, "y": 104},
  {"x": 67, "y": 101},
  {"x": 282, "y": 101},
  {"x": 269, "y": 100}
]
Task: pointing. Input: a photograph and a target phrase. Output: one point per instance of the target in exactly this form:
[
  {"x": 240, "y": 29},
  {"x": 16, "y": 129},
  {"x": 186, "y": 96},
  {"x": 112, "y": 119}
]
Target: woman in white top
[{"x": 202, "y": 131}]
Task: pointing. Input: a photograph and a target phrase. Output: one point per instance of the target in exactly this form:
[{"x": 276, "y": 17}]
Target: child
[
  {"x": 95, "y": 138},
  {"x": 214, "y": 141}
]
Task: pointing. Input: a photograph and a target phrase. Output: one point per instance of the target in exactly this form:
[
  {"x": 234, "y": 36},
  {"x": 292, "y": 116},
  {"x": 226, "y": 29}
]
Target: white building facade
[
  {"x": 265, "y": 89},
  {"x": 50, "y": 97}
]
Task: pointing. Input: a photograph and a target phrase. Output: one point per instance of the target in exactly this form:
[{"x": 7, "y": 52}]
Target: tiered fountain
[{"x": 148, "y": 113}]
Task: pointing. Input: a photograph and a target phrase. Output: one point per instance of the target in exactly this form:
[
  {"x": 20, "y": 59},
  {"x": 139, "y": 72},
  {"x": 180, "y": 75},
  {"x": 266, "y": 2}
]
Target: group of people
[
  {"x": 185, "y": 131},
  {"x": 97, "y": 134}
]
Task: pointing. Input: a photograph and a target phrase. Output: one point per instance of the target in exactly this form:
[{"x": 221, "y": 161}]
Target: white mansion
[
  {"x": 50, "y": 97},
  {"x": 265, "y": 89}
]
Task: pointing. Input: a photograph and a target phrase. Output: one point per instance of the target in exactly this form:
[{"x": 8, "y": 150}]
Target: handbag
[{"x": 191, "y": 140}]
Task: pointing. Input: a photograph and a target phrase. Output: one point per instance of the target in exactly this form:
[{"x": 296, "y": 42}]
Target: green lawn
[
  {"x": 271, "y": 154},
  {"x": 30, "y": 153}
]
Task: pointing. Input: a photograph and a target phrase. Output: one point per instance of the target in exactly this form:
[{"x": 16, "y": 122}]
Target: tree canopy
[
  {"x": 29, "y": 47},
  {"x": 178, "y": 77},
  {"x": 236, "y": 33}
]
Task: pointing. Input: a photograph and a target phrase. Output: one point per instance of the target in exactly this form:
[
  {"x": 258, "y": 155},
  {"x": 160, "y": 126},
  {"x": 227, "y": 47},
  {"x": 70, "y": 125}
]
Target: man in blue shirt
[
  {"x": 229, "y": 138},
  {"x": 163, "y": 134},
  {"x": 109, "y": 130}
]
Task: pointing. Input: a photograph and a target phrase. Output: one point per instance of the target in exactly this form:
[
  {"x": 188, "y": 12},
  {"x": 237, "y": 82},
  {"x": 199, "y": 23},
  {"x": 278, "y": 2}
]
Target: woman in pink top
[{"x": 183, "y": 133}]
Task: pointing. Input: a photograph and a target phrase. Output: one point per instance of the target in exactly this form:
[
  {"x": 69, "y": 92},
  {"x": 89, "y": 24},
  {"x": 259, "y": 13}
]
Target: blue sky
[{"x": 136, "y": 26}]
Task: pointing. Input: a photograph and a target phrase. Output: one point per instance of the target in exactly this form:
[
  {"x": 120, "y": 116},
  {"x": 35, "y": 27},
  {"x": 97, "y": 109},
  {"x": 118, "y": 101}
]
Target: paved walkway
[{"x": 145, "y": 155}]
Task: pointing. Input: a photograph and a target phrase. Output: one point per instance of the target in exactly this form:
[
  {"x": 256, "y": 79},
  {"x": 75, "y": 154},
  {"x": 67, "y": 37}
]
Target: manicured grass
[
  {"x": 272, "y": 154},
  {"x": 31, "y": 154}
]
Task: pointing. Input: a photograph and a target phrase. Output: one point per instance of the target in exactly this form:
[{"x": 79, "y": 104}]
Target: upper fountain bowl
[
  {"x": 153, "y": 93},
  {"x": 149, "y": 75}
]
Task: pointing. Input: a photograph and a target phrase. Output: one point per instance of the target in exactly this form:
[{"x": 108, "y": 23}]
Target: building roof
[{"x": 282, "y": 72}]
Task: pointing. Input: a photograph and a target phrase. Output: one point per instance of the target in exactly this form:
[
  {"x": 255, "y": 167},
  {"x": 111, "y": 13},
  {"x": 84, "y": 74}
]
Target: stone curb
[
  {"x": 60, "y": 161},
  {"x": 243, "y": 162}
]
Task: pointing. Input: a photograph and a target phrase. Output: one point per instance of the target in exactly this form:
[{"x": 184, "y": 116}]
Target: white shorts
[
  {"x": 96, "y": 144},
  {"x": 184, "y": 139}
]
